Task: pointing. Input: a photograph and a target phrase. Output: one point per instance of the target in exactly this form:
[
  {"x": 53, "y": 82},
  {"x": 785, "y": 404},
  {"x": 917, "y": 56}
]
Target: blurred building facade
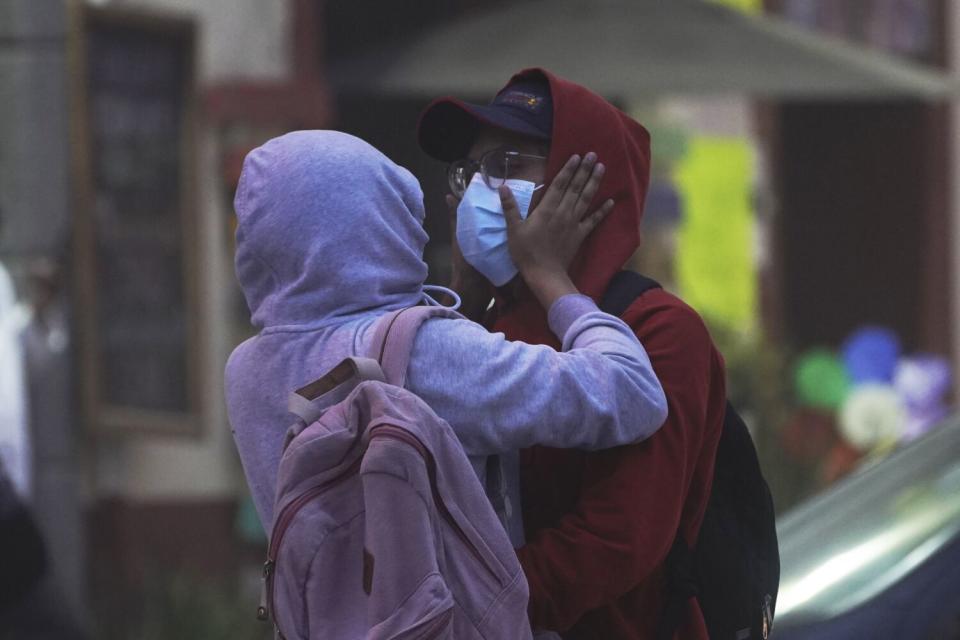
[
  {"x": 863, "y": 190},
  {"x": 121, "y": 502}
]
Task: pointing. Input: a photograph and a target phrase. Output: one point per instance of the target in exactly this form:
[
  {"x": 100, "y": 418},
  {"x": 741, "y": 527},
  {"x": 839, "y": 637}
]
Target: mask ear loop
[{"x": 437, "y": 288}]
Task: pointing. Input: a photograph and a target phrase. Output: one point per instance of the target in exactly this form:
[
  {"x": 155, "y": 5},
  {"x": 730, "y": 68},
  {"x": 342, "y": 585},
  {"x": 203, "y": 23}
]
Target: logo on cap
[{"x": 529, "y": 101}]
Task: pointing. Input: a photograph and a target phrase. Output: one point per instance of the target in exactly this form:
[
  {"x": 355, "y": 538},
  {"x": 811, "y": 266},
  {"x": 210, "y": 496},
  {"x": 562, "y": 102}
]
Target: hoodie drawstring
[{"x": 437, "y": 288}]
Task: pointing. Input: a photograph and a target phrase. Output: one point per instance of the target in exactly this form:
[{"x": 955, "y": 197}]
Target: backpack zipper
[
  {"x": 399, "y": 433},
  {"x": 265, "y": 610}
]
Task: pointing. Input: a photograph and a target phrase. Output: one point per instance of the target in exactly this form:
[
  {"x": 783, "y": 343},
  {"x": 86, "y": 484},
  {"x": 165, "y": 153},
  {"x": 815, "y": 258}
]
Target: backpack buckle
[{"x": 309, "y": 402}]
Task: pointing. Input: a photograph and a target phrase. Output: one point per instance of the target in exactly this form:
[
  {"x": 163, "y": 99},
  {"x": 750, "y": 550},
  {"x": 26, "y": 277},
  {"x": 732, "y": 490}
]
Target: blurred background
[{"x": 804, "y": 201}]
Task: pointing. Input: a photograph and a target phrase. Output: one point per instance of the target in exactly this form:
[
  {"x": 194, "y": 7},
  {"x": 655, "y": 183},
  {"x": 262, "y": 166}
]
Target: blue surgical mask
[{"x": 482, "y": 228}]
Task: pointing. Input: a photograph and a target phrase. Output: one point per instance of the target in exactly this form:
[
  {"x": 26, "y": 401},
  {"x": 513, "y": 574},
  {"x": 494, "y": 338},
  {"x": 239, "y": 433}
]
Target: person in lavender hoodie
[{"x": 330, "y": 238}]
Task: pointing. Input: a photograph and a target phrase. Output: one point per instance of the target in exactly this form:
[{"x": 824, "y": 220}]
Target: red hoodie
[{"x": 600, "y": 524}]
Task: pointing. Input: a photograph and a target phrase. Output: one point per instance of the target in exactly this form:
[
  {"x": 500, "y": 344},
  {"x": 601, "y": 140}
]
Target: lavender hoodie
[{"x": 330, "y": 237}]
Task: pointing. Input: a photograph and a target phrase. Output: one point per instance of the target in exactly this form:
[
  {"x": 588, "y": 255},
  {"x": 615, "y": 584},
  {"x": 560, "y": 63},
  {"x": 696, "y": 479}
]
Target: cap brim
[{"x": 448, "y": 127}]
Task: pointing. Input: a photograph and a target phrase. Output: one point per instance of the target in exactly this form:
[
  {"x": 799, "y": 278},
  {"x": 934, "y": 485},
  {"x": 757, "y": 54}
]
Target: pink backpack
[{"x": 381, "y": 527}]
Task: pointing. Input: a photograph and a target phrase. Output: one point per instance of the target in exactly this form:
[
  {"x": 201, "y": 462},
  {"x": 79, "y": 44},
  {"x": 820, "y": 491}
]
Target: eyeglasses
[{"x": 496, "y": 166}]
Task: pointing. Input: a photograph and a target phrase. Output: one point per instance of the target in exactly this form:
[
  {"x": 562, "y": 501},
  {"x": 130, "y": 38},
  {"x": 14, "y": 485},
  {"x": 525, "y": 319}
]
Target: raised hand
[{"x": 544, "y": 245}]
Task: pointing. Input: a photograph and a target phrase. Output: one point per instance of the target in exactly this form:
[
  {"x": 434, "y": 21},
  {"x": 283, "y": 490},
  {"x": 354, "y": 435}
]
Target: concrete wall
[{"x": 33, "y": 127}]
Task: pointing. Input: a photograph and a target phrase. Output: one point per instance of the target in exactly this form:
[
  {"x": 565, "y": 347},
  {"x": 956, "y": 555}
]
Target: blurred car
[{"x": 878, "y": 555}]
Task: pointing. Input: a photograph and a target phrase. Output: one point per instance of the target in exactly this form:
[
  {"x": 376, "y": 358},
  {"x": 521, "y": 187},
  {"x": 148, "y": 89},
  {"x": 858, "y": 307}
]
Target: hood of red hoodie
[{"x": 584, "y": 122}]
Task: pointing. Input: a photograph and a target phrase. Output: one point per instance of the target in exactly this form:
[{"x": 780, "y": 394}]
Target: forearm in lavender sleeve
[{"x": 501, "y": 396}]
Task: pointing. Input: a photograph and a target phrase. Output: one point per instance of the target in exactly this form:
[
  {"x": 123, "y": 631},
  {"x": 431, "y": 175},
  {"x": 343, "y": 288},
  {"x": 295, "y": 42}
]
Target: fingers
[
  {"x": 579, "y": 181},
  {"x": 586, "y": 195},
  {"x": 590, "y": 222},
  {"x": 510, "y": 209},
  {"x": 557, "y": 188}
]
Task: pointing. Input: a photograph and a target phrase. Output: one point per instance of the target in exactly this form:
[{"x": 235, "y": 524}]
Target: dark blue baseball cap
[{"x": 448, "y": 126}]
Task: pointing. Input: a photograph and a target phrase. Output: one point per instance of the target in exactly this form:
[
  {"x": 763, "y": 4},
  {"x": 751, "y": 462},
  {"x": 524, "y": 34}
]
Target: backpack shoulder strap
[
  {"x": 624, "y": 288},
  {"x": 394, "y": 336}
]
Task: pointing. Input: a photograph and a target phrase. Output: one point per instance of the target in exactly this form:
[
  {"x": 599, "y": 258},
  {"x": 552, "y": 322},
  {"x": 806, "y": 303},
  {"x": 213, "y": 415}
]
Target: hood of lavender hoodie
[{"x": 299, "y": 238}]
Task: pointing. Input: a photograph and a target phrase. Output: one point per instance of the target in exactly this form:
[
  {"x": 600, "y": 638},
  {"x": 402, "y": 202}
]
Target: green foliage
[{"x": 758, "y": 381}]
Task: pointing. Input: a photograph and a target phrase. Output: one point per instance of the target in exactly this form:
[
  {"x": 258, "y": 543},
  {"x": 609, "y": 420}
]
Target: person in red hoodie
[{"x": 599, "y": 525}]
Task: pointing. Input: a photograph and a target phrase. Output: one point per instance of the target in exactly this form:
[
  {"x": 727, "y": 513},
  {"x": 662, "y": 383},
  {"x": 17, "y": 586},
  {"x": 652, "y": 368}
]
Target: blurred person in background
[
  {"x": 15, "y": 450},
  {"x": 49, "y": 372},
  {"x": 599, "y": 525},
  {"x": 31, "y": 604}
]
